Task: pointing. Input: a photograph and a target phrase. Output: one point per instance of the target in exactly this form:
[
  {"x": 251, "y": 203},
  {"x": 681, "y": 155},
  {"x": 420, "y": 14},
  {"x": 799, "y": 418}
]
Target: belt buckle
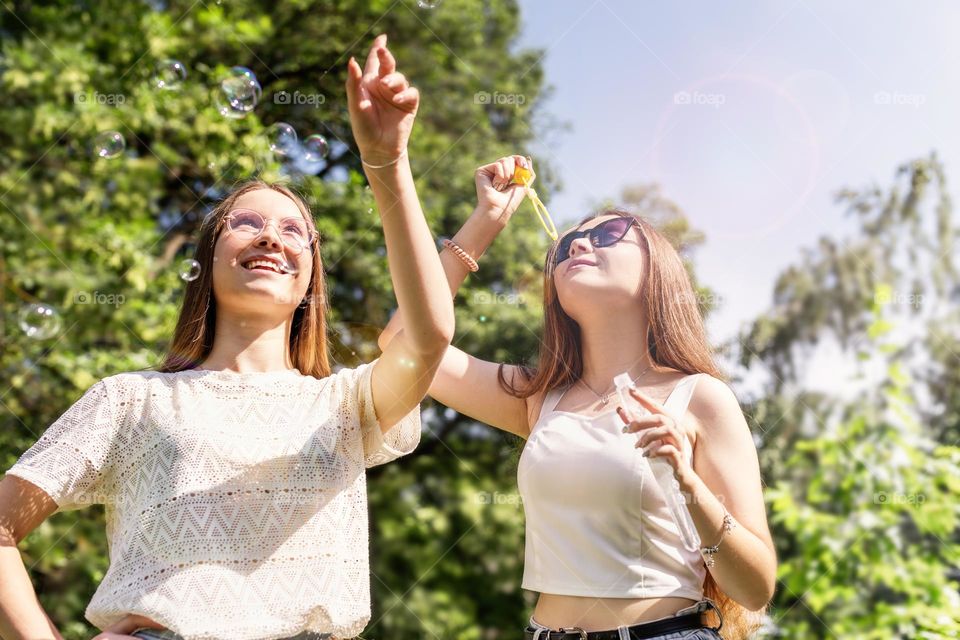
[{"x": 583, "y": 634}]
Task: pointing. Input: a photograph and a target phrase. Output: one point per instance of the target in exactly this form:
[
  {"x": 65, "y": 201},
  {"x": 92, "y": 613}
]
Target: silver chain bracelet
[{"x": 708, "y": 552}]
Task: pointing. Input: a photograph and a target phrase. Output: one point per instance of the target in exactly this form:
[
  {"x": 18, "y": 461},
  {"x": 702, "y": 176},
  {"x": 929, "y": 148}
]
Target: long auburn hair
[
  {"x": 676, "y": 338},
  {"x": 196, "y": 325}
]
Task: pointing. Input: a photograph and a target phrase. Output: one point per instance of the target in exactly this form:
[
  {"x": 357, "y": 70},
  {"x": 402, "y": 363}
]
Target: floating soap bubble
[
  {"x": 109, "y": 144},
  {"x": 170, "y": 75},
  {"x": 243, "y": 71},
  {"x": 315, "y": 148},
  {"x": 39, "y": 321},
  {"x": 283, "y": 139},
  {"x": 238, "y": 93},
  {"x": 189, "y": 270}
]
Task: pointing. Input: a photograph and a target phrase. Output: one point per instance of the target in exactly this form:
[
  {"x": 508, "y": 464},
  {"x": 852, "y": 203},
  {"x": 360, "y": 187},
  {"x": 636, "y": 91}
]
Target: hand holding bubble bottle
[
  {"x": 662, "y": 470},
  {"x": 525, "y": 176}
]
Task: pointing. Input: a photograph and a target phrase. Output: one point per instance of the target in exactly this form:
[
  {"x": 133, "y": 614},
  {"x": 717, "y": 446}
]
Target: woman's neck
[
  {"x": 613, "y": 344},
  {"x": 250, "y": 344}
]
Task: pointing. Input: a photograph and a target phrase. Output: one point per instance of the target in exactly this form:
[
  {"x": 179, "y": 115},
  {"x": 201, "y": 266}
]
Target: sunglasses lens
[
  {"x": 602, "y": 235},
  {"x": 610, "y": 232}
]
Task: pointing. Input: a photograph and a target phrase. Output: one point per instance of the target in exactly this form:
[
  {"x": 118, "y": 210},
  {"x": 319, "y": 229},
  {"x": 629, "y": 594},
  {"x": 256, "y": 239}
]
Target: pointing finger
[{"x": 388, "y": 63}]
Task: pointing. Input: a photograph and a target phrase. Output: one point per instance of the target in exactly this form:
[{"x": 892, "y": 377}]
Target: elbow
[
  {"x": 446, "y": 330},
  {"x": 384, "y": 339},
  {"x": 757, "y": 604},
  {"x": 433, "y": 344},
  {"x": 758, "y": 600},
  {"x": 441, "y": 331},
  {"x": 436, "y": 342}
]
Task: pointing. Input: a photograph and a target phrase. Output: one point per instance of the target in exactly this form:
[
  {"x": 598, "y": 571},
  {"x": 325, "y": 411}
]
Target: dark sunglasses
[{"x": 603, "y": 235}]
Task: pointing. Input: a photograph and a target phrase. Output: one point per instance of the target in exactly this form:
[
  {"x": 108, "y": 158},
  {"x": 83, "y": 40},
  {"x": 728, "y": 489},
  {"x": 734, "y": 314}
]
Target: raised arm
[
  {"x": 465, "y": 383},
  {"x": 383, "y": 107}
]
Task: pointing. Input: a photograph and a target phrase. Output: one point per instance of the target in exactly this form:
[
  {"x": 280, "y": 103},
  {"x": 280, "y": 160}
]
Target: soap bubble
[
  {"x": 39, "y": 321},
  {"x": 189, "y": 270},
  {"x": 238, "y": 93},
  {"x": 315, "y": 148},
  {"x": 170, "y": 74},
  {"x": 109, "y": 144},
  {"x": 283, "y": 139}
]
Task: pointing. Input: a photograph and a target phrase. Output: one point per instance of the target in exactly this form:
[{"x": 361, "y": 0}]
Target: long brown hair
[
  {"x": 676, "y": 338},
  {"x": 196, "y": 325}
]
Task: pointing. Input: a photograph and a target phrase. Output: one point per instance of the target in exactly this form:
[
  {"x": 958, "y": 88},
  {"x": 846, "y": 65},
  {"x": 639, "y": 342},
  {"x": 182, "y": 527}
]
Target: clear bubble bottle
[{"x": 662, "y": 471}]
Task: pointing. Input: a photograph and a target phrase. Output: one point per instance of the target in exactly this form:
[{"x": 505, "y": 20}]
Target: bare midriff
[{"x": 601, "y": 614}]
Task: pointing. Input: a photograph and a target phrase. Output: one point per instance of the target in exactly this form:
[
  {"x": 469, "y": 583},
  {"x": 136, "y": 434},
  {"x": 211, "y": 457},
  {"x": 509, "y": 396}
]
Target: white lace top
[{"x": 235, "y": 502}]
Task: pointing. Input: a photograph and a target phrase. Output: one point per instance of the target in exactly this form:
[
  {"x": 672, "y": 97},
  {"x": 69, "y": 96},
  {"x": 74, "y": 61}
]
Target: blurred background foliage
[{"x": 861, "y": 488}]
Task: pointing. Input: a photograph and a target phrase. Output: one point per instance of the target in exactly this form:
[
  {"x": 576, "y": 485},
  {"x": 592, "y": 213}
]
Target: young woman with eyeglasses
[
  {"x": 601, "y": 547},
  {"x": 233, "y": 476}
]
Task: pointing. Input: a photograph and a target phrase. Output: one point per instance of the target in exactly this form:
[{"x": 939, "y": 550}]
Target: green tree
[
  {"x": 102, "y": 239},
  {"x": 869, "y": 511},
  {"x": 863, "y": 502}
]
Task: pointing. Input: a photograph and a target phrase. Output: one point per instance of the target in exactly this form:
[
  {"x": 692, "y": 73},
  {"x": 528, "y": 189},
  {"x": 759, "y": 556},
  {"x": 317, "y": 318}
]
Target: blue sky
[{"x": 749, "y": 115}]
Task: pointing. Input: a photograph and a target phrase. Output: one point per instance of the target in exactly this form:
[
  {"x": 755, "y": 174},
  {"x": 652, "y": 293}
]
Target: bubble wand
[{"x": 525, "y": 177}]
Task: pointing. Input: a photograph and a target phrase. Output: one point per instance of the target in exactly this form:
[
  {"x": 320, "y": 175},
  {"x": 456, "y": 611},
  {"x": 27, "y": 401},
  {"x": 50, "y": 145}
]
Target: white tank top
[{"x": 597, "y": 523}]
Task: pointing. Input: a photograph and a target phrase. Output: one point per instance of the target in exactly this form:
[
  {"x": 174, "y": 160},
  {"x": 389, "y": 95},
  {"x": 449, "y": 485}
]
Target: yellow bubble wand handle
[{"x": 525, "y": 177}]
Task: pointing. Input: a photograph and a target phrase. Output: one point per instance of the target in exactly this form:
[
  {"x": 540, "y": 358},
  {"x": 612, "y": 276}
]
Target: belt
[{"x": 635, "y": 632}]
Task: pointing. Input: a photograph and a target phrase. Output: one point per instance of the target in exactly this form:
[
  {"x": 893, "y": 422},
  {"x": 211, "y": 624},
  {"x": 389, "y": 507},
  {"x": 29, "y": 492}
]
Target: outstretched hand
[{"x": 382, "y": 105}]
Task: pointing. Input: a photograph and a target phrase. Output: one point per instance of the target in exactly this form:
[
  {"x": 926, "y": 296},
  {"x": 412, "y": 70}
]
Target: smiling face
[
  {"x": 606, "y": 277},
  {"x": 261, "y": 274}
]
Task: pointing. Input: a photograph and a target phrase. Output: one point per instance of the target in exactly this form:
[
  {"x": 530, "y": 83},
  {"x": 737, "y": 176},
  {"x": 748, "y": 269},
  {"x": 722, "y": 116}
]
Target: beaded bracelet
[
  {"x": 460, "y": 253},
  {"x": 708, "y": 552}
]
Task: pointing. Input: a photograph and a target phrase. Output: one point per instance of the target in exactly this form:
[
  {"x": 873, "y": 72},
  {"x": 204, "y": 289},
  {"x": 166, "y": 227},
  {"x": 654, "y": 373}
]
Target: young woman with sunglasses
[
  {"x": 233, "y": 477},
  {"x": 601, "y": 547}
]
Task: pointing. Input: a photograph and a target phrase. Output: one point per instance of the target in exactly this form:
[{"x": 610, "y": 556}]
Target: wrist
[
  {"x": 477, "y": 234},
  {"x": 382, "y": 159},
  {"x": 490, "y": 217},
  {"x": 690, "y": 483}
]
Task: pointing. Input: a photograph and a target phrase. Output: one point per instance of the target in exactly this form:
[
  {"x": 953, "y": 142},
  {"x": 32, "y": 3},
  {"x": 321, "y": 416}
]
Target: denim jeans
[
  {"x": 703, "y": 633},
  {"x": 165, "y": 634}
]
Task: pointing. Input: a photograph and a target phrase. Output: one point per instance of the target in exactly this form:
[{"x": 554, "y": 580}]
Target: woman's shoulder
[
  {"x": 711, "y": 392},
  {"x": 713, "y": 403}
]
